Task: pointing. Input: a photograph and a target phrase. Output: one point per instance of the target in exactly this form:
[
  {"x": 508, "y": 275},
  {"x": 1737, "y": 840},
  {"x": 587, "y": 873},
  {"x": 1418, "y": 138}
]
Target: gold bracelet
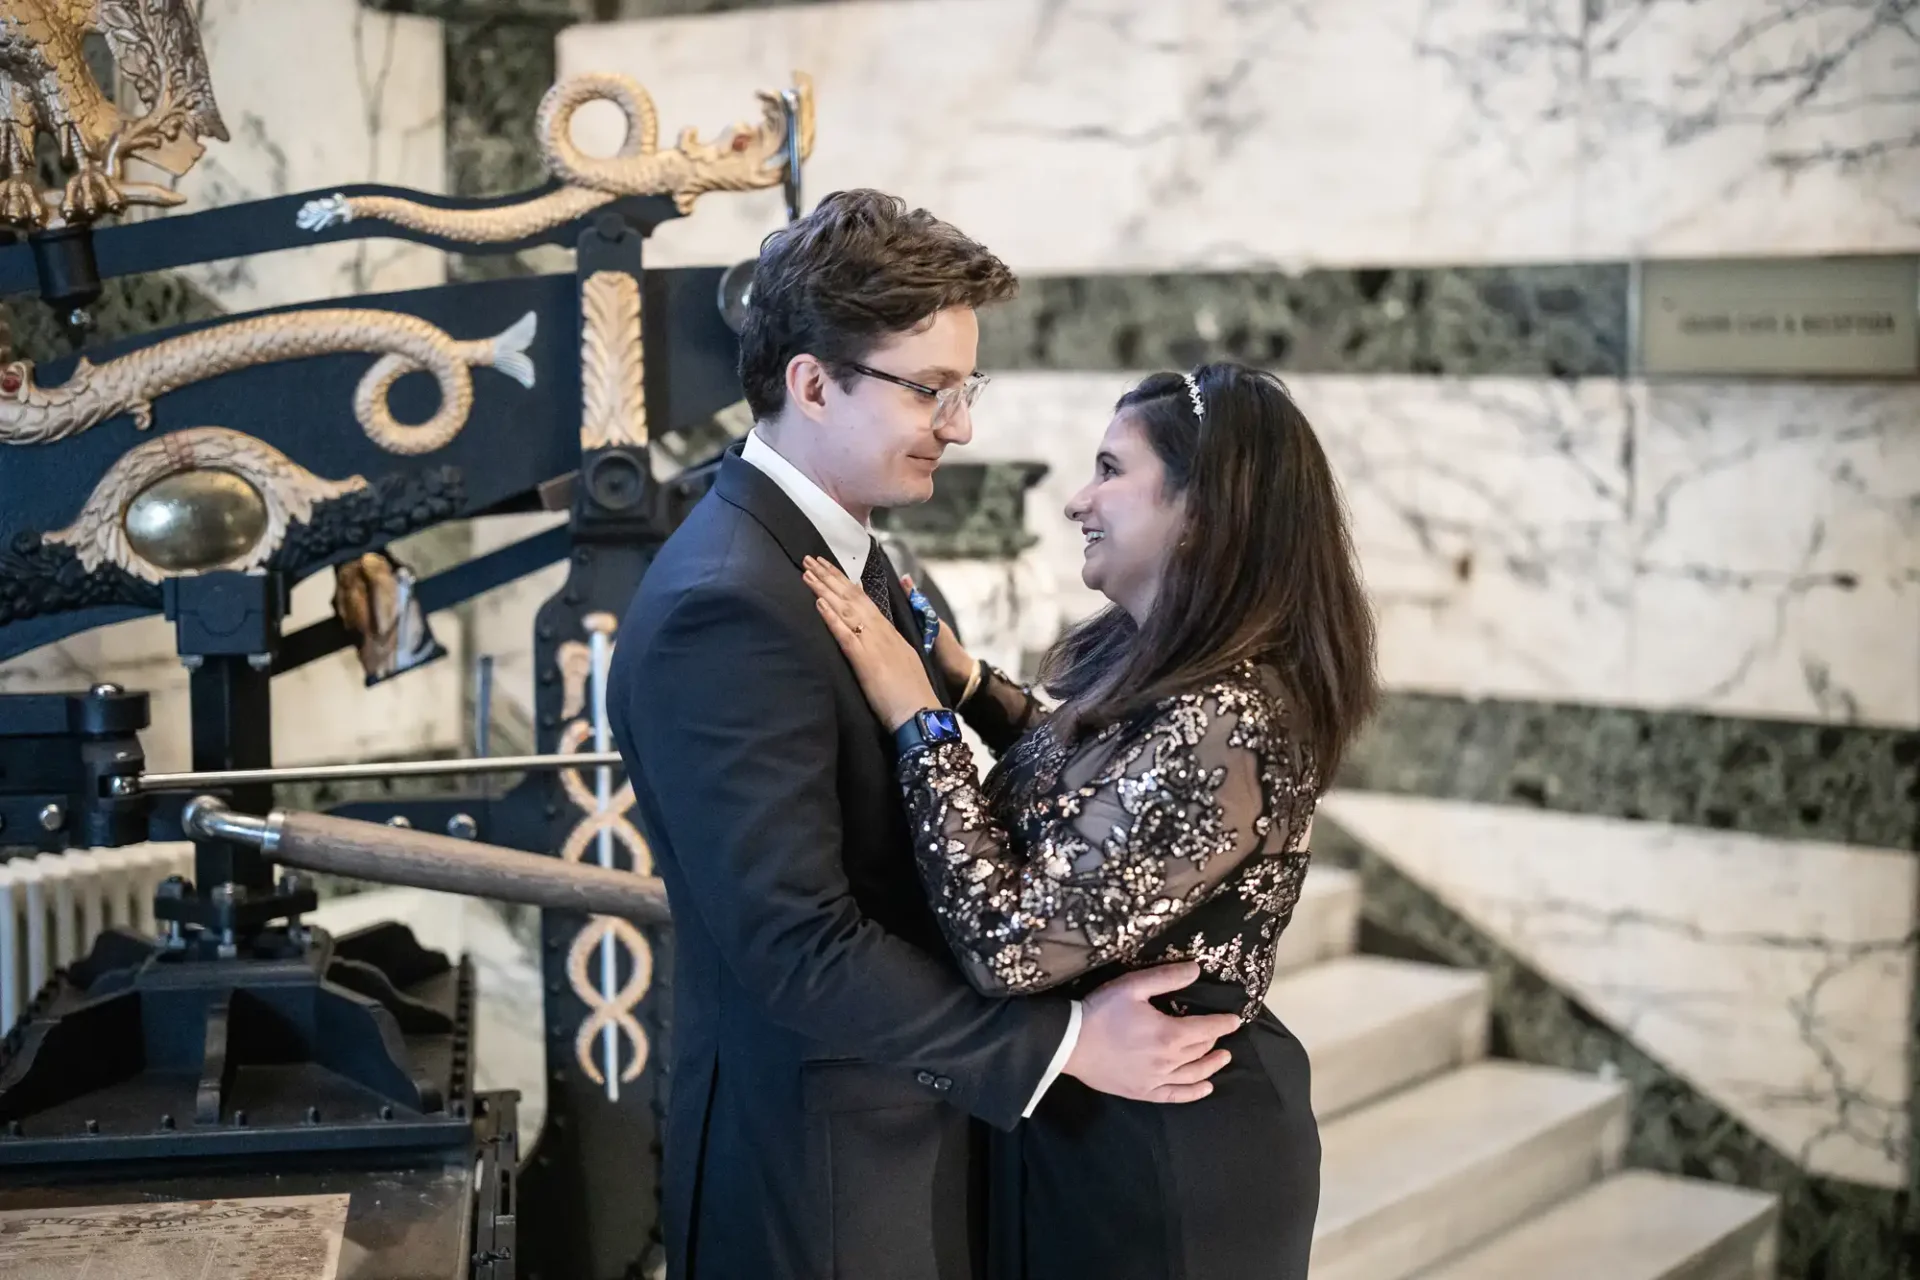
[{"x": 973, "y": 682}]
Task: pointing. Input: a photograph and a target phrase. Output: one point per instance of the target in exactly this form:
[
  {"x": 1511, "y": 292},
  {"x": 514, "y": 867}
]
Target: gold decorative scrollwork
[
  {"x": 749, "y": 158},
  {"x": 32, "y": 414},
  {"x": 576, "y": 666},
  {"x": 612, "y": 363},
  {"x": 288, "y": 490}
]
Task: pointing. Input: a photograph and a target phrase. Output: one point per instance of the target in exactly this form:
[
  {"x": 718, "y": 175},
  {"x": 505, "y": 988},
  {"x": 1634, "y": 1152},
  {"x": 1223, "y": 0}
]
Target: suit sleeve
[{"x": 732, "y": 716}]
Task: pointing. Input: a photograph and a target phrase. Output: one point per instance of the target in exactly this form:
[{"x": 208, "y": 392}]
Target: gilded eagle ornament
[{"x": 47, "y": 88}]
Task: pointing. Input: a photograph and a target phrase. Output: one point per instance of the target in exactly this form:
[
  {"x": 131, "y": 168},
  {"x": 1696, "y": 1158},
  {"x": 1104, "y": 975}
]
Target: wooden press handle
[{"x": 422, "y": 860}]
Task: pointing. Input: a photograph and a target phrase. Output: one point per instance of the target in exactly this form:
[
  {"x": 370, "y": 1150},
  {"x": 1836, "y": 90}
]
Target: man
[{"x": 827, "y": 1054}]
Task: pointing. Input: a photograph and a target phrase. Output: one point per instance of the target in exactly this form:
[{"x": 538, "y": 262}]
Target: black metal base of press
[{"x": 303, "y": 1043}]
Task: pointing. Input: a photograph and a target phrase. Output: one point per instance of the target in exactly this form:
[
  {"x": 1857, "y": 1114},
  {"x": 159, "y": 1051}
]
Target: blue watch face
[{"x": 939, "y": 725}]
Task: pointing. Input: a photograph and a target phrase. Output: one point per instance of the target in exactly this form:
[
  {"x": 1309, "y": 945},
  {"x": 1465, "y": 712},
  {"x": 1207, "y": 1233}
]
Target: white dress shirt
[{"x": 850, "y": 540}]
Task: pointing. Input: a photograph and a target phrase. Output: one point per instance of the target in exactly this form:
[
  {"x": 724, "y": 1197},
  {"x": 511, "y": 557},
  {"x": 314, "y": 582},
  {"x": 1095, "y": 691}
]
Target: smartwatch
[{"x": 927, "y": 728}]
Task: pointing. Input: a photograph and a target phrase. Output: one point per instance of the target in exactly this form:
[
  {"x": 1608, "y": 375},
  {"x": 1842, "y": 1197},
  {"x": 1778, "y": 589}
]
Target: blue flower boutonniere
[{"x": 929, "y": 620}]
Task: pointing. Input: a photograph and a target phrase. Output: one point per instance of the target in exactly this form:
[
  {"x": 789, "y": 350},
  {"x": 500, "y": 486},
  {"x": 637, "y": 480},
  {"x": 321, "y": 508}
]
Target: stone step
[
  {"x": 1373, "y": 1025},
  {"x": 1635, "y": 1226},
  {"x": 1326, "y": 921},
  {"x": 1440, "y": 1167}
]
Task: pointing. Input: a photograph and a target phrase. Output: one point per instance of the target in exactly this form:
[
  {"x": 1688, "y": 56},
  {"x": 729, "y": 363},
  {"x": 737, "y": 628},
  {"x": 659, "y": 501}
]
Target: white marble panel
[
  {"x": 1778, "y": 550},
  {"x": 1774, "y": 975},
  {"x": 1741, "y": 549},
  {"x": 1107, "y": 135},
  {"x": 324, "y": 711},
  {"x": 500, "y": 623},
  {"x": 1489, "y": 516},
  {"x": 1503, "y": 568},
  {"x": 317, "y": 93}
]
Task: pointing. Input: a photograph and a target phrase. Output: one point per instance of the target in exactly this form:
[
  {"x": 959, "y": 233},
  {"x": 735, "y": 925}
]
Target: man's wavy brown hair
[{"x": 838, "y": 282}]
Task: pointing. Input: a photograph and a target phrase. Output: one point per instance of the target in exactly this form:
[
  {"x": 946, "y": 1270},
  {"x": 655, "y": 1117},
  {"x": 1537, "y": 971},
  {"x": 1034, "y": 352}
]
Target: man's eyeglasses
[{"x": 947, "y": 401}]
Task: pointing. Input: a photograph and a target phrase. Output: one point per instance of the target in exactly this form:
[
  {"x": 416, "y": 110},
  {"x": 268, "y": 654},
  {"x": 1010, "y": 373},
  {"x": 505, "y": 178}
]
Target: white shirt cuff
[{"x": 1059, "y": 1062}]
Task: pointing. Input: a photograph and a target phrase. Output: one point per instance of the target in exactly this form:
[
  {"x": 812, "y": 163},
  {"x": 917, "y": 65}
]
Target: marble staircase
[{"x": 1439, "y": 1164}]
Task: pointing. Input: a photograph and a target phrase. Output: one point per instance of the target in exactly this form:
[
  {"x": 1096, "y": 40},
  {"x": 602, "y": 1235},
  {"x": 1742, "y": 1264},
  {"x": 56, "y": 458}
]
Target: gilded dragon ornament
[
  {"x": 748, "y": 158},
  {"x": 92, "y": 393},
  {"x": 46, "y": 86}
]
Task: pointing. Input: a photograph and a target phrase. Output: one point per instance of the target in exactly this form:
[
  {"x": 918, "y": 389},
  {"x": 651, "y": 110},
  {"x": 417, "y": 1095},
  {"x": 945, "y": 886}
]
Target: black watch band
[{"x": 927, "y": 728}]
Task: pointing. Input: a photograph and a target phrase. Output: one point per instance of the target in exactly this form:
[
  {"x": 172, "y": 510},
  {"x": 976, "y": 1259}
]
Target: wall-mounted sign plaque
[{"x": 1812, "y": 317}]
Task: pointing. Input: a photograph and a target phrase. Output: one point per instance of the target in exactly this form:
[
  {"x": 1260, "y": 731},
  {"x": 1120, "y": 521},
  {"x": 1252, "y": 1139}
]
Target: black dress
[{"x": 1177, "y": 835}]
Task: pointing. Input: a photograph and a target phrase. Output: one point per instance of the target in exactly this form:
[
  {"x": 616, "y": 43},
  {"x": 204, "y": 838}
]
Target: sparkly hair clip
[{"x": 1193, "y": 394}]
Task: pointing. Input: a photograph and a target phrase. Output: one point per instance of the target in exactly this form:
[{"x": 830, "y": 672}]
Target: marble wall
[
  {"x": 1651, "y": 750},
  {"x": 331, "y": 93},
  {"x": 1593, "y": 541},
  {"x": 338, "y": 94},
  {"x": 1220, "y": 134}
]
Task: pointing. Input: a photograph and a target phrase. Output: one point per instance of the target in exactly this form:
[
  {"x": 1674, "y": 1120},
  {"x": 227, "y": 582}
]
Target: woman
[{"x": 1159, "y": 814}]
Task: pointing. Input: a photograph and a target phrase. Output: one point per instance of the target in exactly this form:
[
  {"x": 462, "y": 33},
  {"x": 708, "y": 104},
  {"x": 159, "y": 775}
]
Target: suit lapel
[{"x": 754, "y": 492}]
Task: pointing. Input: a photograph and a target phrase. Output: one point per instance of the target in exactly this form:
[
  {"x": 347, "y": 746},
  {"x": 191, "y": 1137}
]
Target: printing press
[{"x": 237, "y": 1069}]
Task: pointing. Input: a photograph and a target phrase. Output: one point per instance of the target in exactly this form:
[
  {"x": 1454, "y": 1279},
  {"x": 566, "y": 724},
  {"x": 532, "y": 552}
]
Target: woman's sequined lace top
[{"x": 1176, "y": 835}]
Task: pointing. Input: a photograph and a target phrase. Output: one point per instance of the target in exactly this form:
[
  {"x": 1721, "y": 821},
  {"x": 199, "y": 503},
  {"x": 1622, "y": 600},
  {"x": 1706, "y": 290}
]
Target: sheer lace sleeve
[
  {"x": 1001, "y": 710},
  {"x": 1143, "y": 826}
]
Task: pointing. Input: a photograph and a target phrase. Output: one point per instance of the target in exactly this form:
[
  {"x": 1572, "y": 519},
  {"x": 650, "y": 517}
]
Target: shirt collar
[{"x": 848, "y": 538}]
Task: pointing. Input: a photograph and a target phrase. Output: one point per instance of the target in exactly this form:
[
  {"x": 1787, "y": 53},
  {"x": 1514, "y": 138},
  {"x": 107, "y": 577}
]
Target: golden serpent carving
[
  {"x": 749, "y": 158},
  {"x": 576, "y": 663},
  {"x": 612, "y": 363},
  {"x": 32, "y": 414},
  {"x": 98, "y": 535}
]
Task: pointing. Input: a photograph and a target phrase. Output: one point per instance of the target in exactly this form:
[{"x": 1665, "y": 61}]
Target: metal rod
[
  {"x": 790, "y": 177},
  {"x": 600, "y": 651},
  {"x": 423, "y": 860},
  {"x": 483, "y": 706},
  {"x": 217, "y": 778}
]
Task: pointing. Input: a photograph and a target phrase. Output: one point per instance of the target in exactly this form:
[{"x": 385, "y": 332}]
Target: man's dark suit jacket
[{"x": 827, "y": 1054}]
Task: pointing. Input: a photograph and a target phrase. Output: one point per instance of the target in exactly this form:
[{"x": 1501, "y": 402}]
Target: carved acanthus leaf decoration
[{"x": 612, "y": 363}]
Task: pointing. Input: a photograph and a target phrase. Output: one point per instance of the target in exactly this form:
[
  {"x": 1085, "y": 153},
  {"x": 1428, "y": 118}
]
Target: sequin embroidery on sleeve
[{"x": 1180, "y": 838}]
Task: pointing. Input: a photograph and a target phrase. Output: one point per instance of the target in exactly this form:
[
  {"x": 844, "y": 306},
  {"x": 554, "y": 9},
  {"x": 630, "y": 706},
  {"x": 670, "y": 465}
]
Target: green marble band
[
  {"x": 1516, "y": 321},
  {"x": 1850, "y": 784}
]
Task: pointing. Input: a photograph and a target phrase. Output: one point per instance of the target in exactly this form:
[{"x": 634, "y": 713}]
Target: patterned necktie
[{"x": 873, "y": 579}]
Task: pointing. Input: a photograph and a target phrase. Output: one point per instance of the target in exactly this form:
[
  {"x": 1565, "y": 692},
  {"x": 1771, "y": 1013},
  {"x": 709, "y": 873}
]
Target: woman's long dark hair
[{"x": 1264, "y": 570}]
